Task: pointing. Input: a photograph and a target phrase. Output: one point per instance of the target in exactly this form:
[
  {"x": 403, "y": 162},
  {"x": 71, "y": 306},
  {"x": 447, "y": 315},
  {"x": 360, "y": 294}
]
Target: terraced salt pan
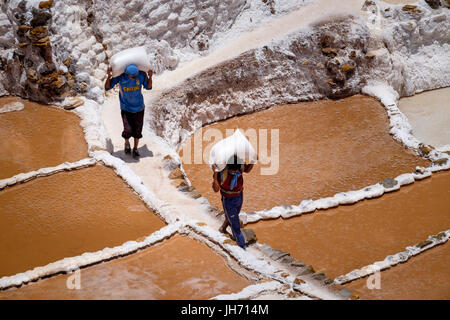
[
  {"x": 67, "y": 214},
  {"x": 326, "y": 147},
  {"x": 339, "y": 240},
  {"x": 178, "y": 268},
  {"x": 38, "y": 136},
  {"x": 429, "y": 116},
  {"x": 422, "y": 277}
]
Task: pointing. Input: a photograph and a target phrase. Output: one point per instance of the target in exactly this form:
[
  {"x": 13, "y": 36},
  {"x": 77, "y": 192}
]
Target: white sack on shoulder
[
  {"x": 236, "y": 144},
  {"x": 122, "y": 59}
]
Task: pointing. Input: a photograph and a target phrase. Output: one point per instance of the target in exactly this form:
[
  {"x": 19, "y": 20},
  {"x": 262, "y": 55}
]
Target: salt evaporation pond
[
  {"x": 38, "y": 136},
  {"x": 178, "y": 268},
  {"x": 338, "y": 240},
  {"x": 325, "y": 147},
  {"x": 429, "y": 115},
  {"x": 67, "y": 214},
  {"x": 423, "y": 277}
]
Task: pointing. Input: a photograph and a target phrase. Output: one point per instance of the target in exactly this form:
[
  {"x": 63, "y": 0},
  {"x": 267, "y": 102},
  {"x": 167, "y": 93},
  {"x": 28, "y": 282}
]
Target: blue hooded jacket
[{"x": 130, "y": 94}]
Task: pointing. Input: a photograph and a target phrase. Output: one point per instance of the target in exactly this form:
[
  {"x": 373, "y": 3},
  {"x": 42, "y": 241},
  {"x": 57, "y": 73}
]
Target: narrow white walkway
[{"x": 149, "y": 168}]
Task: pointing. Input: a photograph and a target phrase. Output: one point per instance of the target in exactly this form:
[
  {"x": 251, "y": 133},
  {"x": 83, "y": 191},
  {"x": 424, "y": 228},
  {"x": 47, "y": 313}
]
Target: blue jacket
[{"x": 130, "y": 95}]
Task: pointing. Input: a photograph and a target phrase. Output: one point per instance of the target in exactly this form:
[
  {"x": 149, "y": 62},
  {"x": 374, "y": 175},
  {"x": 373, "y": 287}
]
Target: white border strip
[
  {"x": 12, "y": 106},
  {"x": 69, "y": 264},
  {"x": 95, "y": 132},
  {"x": 24, "y": 177},
  {"x": 393, "y": 260},
  {"x": 349, "y": 197},
  {"x": 252, "y": 291}
]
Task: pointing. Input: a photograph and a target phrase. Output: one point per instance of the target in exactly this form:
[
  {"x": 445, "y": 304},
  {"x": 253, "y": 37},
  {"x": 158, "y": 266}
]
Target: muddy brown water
[
  {"x": 178, "y": 268},
  {"x": 67, "y": 214},
  {"x": 325, "y": 147},
  {"x": 422, "y": 277},
  {"x": 339, "y": 240},
  {"x": 38, "y": 136}
]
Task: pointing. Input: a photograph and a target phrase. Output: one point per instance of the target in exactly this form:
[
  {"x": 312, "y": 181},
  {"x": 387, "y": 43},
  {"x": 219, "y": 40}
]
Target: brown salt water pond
[
  {"x": 38, "y": 136},
  {"x": 325, "y": 147},
  {"x": 339, "y": 240},
  {"x": 422, "y": 277},
  {"x": 178, "y": 268},
  {"x": 67, "y": 214}
]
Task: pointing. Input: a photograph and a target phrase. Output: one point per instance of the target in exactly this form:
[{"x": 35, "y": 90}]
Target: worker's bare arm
[
  {"x": 248, "y": 167},
  {"x": 108, "y": 79},
  {"x": 215, "y": 184},
  {"x": 149, "y": 81}
]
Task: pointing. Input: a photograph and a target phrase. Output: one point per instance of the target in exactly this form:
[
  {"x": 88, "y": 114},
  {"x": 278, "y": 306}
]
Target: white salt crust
[
  {"x": 393, "y": 260},
  {"x": 23, "y": 177}
]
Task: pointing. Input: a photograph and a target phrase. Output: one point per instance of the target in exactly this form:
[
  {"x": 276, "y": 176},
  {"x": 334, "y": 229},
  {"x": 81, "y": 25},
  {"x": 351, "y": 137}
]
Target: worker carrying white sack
[
  {"x": 127, "y": 66},
  {"x": 229, "y": 159}
]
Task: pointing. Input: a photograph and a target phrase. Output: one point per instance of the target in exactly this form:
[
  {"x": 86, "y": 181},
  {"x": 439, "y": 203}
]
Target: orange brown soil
[
  {"x": 325, "y": 147},
  {"x": 67, "y": 214},
  {"x": 38, "y": 136},
  {"x": 178, "y": 268},
  {"x": 339, "y": 240},
  {"x": 422, "y": 277}
]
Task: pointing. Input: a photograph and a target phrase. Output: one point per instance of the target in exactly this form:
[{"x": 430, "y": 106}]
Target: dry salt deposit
[{"x": 429, "y": 116}]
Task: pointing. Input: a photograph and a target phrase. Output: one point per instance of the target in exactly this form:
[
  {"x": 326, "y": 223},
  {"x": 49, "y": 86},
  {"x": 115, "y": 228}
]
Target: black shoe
[
  {"x": 127, "y": 149},
  {"x": 136, "y": 153}
]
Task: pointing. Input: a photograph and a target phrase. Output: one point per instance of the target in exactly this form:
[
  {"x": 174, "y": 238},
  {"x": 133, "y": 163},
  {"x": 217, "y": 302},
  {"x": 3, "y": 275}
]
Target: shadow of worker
[{"x": 143, "y": 151}]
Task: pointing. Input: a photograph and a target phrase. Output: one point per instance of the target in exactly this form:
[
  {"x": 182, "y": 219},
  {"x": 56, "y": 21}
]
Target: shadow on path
[{"x": 144, "y": 151}]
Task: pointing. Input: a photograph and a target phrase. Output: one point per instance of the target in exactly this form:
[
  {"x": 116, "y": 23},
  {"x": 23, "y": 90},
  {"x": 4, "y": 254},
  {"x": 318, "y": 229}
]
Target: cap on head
[{"x": 132, "y": 70}]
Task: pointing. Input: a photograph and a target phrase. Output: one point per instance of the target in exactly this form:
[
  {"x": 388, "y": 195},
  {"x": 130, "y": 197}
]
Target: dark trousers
[
  {"x": 132, "y": 124},
  {"x": 232, "y": 206}
]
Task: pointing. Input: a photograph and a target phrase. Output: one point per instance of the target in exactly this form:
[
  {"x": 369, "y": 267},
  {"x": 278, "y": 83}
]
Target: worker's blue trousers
[{"x": 232, "y": 207}]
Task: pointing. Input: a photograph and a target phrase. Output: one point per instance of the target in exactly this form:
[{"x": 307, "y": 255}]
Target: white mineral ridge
[
  {"x": 12, "y": 106},
  {"x": 252, "y": 291},
  {"x": 393, "y": 260}
]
